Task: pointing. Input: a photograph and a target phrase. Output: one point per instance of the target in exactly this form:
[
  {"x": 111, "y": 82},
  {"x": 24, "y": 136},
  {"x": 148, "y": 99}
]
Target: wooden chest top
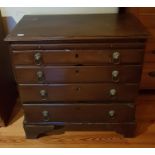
[{"x": 76, "y": 27}]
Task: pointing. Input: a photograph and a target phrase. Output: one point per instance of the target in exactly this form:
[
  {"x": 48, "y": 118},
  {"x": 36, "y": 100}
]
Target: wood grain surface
[
  {"x": 64, "y": 27},
  {"x": 78, "y": 92},
  {"x": 76, "y": 57},
  {"x": 13, "y": 135},
  {"x": 77, "y": 74}
]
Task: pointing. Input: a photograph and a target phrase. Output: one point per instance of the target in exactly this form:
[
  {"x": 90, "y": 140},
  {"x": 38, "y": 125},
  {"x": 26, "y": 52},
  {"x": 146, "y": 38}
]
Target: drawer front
[
  {"x": 77, "y": 57},
  {"x": 148, "y": 76},
  {"x": 71, "y": 74},
  {"x": 79, "y": 113},
  {"x": 78, "y": 92}
]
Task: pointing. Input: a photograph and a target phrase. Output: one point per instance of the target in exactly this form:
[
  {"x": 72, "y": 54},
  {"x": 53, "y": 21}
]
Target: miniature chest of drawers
[{"x": 78, "y": 72}]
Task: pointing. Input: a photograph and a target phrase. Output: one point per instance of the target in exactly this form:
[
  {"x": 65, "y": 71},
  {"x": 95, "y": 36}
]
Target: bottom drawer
[
  {"x": 148, "y": 76},
  {"x": 79, "y": 113}
]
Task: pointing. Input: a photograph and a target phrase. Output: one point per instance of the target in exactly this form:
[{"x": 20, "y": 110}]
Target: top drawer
[{"x": 77, "y": 57}]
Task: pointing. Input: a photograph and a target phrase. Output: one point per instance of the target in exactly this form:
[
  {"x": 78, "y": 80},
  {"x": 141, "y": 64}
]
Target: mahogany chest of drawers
[{"x": 78, "y": 72}]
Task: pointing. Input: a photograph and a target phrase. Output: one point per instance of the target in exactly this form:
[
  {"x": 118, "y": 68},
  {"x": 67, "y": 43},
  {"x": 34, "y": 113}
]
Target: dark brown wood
[
  {"x": 8, "y": 91},
  {"x": 106, "y": 43},
  {"x": 99, "y": 44},
  {"x": 81, "y": 113},
  {"x": 150, "y": 51},
  {"x": 75, "y": 57},
  {"x": 70, "y": 27},
  {"x": 78, "y": 74},
  {"x": 90, "y": 135},
  {"x": 64, "y": 68},
  {"x": 78, "y": 92},
  {"x": 126, "y": 129},
  {"x": 33, "y": 131}
]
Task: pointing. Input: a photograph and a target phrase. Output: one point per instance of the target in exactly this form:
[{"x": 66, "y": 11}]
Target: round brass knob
[
  {"x": 115, "y": 73},
  {"x": 45, "y": 114},
  {"x": 43, "y": 94},
  {"x": 116, "y": 57},
  {"x": 111, "y": 113},
  {"x": 40, "y": 76},
  {"x": 113, "y": 92},
  {"x": 115, "y": 76},
  {"x": 37, "y": 58}
]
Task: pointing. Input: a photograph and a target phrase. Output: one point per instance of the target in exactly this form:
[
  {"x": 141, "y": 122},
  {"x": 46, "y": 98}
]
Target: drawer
[
  {"x": 148, "y": 76},
  {"x": 78, "y": 92},
  {"x": 77, "y": 57},
  {"x": 79, "y": 113},
  {"x": 72, "y": 74}
]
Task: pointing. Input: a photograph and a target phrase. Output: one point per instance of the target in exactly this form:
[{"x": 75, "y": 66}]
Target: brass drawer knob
[
  {"x": 116, "y": 57},
  {"x": 113, "y": 92},
  {"x": 43, "y": 94},
  {"x": 37, "y": 58},
  {"x": 111, "y": 113},
  {"x": 115, "y": 76},
  {"x": 45, "y": 114},
  {"x": 40, "y": 76}
]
